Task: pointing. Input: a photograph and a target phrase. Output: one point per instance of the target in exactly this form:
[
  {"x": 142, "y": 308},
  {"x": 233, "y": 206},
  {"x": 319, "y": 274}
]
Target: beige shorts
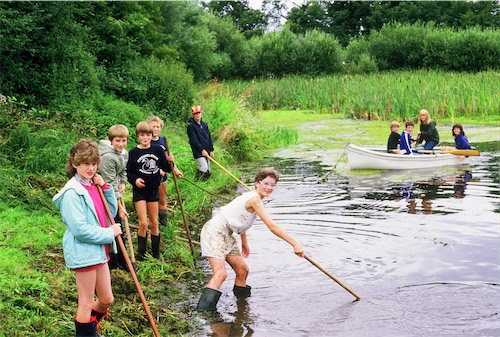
[{"x": 216, "y": 240}]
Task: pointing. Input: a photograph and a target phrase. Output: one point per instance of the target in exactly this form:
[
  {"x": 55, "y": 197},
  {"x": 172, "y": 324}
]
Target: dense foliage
[{"x": 61, "y": 55}]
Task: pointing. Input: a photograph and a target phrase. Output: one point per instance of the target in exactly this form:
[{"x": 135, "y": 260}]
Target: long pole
[
  {"x": 129, "y": 265},
  {"x": 129, "y": 237},
  {"x": 332, "y": 277},
  {"x": 222, "y": 167},
  {"x": 179, "y": 200},
  {"x": 305, "y": 256}
]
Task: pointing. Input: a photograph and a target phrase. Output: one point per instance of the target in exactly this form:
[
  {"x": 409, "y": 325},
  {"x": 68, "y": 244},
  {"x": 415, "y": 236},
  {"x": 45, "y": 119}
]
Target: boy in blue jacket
[
  {"x": 405, "y": 140},
  {"x": 201, "y": 142}
]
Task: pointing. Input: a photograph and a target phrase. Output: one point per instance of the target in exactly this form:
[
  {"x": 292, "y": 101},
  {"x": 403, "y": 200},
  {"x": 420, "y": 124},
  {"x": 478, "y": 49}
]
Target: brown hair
[
  {"x": 408, "y": 123},
  {"x": 143, "y": 127},
  {"x": 117, "y": 130},
  {"x": 85, "y": 151},
  {"x": 460, "y": 127},
  {"x": 266, "y": 172}
]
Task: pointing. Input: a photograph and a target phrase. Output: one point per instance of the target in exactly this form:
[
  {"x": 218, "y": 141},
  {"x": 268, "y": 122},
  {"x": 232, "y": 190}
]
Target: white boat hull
[{"x": 363, "y": 158}]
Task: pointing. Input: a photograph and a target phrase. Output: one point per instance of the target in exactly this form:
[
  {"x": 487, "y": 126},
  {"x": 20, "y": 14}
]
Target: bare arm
[{"x": 257, "y": 205}]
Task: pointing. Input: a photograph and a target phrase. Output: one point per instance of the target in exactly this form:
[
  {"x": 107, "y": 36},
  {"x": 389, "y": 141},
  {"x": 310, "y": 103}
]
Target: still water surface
[{"x": 422, "y": 249}]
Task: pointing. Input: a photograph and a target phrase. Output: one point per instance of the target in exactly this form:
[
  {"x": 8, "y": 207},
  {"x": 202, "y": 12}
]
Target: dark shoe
[
  {"x": 155, "y": 246},
  {"x": 142, "y": 242},
  {"x": 242, "y": 292},
  {"x": 88, "y": 329},
  {"x": 205, "y": 175},
  {"x": 208, "y": 300},
  {"x": 198, "y": 176}
]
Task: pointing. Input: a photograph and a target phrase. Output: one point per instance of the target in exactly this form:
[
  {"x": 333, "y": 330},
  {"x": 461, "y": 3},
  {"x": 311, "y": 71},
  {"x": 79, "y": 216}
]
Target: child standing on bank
[
  {"x": 201, "y": 142},
  {"x": 113, "y": 170},
  {"x": 146, "y": 165},
  {"x": 405, "y": 140},
  {"x": 394, "y": 137},
  {"x": 157, "y": 124},
  {"x": 88, "y": 235}
]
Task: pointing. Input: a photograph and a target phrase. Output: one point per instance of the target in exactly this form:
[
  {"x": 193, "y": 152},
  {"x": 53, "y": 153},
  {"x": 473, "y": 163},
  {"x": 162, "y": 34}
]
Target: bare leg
[
  {"x": 219, "y": 273},
  {"x": 240, "y": 268}
]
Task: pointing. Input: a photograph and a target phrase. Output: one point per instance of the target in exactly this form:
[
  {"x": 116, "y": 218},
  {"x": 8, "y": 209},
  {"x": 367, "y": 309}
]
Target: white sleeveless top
[{"x": 238, "y": 219}]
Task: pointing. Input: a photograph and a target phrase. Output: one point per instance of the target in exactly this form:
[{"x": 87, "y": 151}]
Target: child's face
[
  {"x": 409, "y": 129},
  {"x": 395, "y": 128},
  {"x": 119, "y": 143},
  {"x": 156, "y": 128},
  {"x": 456, "y": 131},
  {"x": 145, "y": 138},
  {"x": 197, "y": 116},
  {"x": 86, "y": 170}
]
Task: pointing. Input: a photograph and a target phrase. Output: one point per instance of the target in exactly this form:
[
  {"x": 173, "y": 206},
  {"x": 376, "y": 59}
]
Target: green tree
[{"x": 251, "y": 22}]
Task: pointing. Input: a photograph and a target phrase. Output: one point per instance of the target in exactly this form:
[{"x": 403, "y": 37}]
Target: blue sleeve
[{"x": 82, "y": 222}]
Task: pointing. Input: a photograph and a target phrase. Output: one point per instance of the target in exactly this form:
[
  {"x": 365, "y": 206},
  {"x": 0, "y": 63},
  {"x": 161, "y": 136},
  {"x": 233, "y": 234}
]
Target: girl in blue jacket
[{"x": 88, "y": 235}]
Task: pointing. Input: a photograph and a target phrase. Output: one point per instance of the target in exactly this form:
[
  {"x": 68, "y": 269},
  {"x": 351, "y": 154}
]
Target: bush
[{"x": 166, "y": 88}]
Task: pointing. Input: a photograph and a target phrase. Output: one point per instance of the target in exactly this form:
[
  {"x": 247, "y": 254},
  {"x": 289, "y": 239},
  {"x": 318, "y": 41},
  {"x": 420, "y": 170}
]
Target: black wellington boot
[
  {"x": 199, "y": 175},
  {"x": 155, "y": 246},
  {"x": 142, "y": 242},
  {"x": 208, "y": 300},
  {"x": 205, "y": 175},
  {"x": 162, "y": 214},
  {"x": 88, "y": 329},
  {"x": 242, "y": 292}
]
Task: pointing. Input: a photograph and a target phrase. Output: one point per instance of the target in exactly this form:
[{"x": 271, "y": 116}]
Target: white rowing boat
[{"x": 364, "y": 158}]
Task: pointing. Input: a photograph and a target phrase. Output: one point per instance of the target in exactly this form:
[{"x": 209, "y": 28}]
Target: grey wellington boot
[{"x": 208, "y": 300}]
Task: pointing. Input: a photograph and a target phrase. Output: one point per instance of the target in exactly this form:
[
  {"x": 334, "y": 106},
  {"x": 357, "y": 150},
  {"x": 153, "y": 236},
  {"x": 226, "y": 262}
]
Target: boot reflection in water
[{"x": 241, "y": 326}]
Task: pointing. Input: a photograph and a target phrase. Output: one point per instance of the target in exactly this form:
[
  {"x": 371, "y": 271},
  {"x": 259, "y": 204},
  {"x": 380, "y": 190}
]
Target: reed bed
[{"x": 384, "y": 96}]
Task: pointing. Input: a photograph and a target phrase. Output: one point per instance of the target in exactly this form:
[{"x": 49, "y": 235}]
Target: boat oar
[
  {"x": 129, "y": 237},
  {"x": 455, "y": 152},
  {"x": 332, "y": 277},
  {"x": 232, "y": 176},
  {"x": 305, "y": 256},
  {"x": 179, "y": 200},
  {"x": 129, "y": 265}
]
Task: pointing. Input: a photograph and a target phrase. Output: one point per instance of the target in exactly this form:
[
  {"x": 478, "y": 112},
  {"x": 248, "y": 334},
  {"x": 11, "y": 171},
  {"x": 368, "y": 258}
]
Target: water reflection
[{"x": 239, "y": 327}]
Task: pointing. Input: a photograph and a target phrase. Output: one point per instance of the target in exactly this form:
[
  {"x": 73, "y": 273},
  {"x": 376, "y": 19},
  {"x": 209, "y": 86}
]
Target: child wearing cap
[{"x": 201, "y": 142}]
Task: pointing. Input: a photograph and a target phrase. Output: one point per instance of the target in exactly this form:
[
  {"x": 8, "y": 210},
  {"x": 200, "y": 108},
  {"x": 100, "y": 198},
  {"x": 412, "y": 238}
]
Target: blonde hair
[
  {"x": 117, "y": 130},
  {"x": 427, "y": 117},
  {"x": 143, "y": 127},
  {"x": 393, "y": 123},
  {"x": 85, "y": 151},
  {"x": 155, "y": 119}
]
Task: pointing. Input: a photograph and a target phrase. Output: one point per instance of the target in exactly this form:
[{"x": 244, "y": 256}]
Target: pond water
[{"x": 422, "y": 249}]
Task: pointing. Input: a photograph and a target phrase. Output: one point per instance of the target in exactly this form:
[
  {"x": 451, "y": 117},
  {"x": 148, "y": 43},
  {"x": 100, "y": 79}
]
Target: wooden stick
[
  {"x": 332, "y": 277},
  {"x": 129, "y": 265},
  {"x": 129, "y": 237},
  {"x": 232, "y": 176},
  {"x": 455, "y": 152},
  {"x": 305, "y": 256},
  {"x": 179, "y": 200}
]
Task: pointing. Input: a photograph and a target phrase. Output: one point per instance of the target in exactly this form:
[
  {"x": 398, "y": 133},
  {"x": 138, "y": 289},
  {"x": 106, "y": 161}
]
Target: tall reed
[{"x": 384, "y": 96}]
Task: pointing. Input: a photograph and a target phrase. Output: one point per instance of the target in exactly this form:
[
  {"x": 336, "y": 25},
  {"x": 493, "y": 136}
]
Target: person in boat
[
  {"x": 405, "y": 139},
  {"x": 220, "y": 246},
  {"x": 428, "y": 132},
  {"x": 393, "y": 141},
  {"x": 461, "y": 141}
]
